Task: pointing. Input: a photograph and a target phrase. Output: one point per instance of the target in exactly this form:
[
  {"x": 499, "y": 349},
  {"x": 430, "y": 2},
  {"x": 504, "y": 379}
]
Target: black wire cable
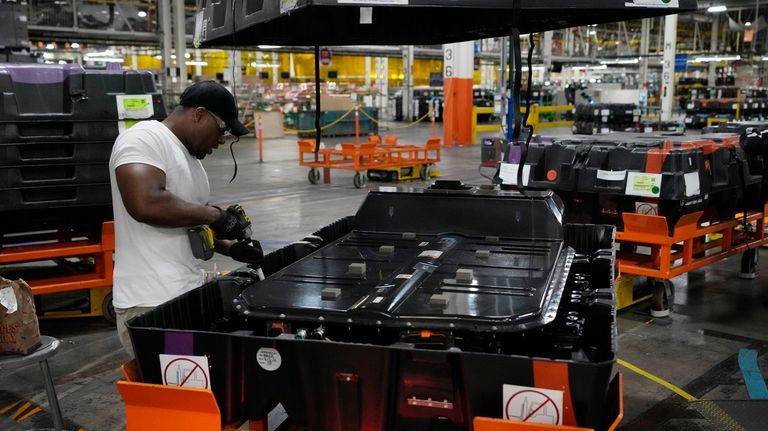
[
  {"x": 234, "y": 89},
  {"x": 317, "y": 99},
  {"x": 515, "y": 58},
  {"x": 518, "y": 82}
]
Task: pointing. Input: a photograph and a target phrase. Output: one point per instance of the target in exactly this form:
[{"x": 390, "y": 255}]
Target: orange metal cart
[
  {"x": 360, "y": 158},
  {"x": 690, "y": 246},
  {"x": 56, "y": 246}
]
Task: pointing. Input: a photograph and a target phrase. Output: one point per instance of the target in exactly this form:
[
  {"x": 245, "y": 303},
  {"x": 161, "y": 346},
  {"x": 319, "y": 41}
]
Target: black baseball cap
[{"x": 214, "y": 97}]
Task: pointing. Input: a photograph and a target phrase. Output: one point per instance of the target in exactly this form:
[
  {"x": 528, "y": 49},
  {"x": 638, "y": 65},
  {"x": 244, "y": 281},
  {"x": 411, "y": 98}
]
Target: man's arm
[{"x": 144, "y": 195}]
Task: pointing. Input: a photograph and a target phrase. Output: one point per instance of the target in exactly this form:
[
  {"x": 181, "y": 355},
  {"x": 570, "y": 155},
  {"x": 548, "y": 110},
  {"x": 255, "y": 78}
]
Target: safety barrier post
[
  {"x": 357, "y": 125},
  {"x": 432, "y": 117},
  {"x": 260, "y": 134}
]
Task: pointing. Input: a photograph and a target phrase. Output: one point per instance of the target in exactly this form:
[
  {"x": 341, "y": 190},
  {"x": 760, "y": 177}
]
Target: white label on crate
[
  {"x": 526, "y": 404},
  {"x": 647, "y": 208},
  {"x": 373, "y": 1},
  {"x": 269, "y": 358},
  {"x": 605, "y": 112},
  {"x": 185, "y": 371},
  {"x": 648, "y": 130},
  {"x": 288, "y": 5},
  {"x": 377, "y": 299},
  {"x": 643, "y": 184},
  {"x": 692, "y": 186},
  {"x": 432, "y": 254},
  {"x": 134, "y": 106},
  {"x": 611, "y": 175},
  {"x": 653, "y": 3},
  {"x": 508, "y": 173}
]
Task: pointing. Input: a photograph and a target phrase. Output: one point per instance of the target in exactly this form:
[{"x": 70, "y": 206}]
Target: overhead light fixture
[
  {"x": 747, "y": 24},
  {"x": 268, "y": 46},
  {"x": 104, "y": 59},
  {"x": 621, "y": 61},
  {"x": 717, "y": 8},
  {"x": 141, "y": 14},
  {"x": 274, "y": 66},
  {"x": 707, "y": 59}
]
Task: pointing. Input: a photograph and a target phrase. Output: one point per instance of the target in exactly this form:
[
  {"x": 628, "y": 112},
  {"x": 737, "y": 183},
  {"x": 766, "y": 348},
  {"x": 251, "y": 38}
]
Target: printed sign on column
[
  {"x": 522, "y": 403},
  {"x": 186, "y": 371},
  {"x": 136, "y": 106}
]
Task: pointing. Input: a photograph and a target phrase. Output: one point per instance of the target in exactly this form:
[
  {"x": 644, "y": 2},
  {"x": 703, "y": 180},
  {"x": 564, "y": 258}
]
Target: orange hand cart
[
  {"x": 59, "y": 247},
  {"x": 360, "y": 158},
  {"x": 691, "y": 245}
]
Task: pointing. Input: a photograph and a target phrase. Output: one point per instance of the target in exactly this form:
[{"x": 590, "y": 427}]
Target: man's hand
[
  {"x": 249, "y": 252},
  {"x": 232, "y": 224}
]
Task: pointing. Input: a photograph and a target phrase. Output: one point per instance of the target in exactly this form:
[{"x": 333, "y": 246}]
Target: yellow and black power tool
[
  {"x": 233, "y": 225},
  {"x": 201, "y": 240}
]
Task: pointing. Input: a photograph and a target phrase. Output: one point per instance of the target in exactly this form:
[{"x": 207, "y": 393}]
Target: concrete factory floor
[{"x": 715, "y": 314}]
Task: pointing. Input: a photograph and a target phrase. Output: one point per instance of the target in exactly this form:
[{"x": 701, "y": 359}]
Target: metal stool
[{"x": 41, "y": 355}]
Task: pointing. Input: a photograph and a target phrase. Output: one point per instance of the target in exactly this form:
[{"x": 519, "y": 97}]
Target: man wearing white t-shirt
[{"x": 159, "y": 190}]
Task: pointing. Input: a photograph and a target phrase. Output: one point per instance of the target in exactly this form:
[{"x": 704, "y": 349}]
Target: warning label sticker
[
  {"x": 185, "y": 371},
  {"x": 269, "y": 358},
  {"x": 527, "y": 404}
]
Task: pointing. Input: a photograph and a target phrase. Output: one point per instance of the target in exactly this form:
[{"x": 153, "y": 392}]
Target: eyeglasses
[{"x": 223, "y": 128}]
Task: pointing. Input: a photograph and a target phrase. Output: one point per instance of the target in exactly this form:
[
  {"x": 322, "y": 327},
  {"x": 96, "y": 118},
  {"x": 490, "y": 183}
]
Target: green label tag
[
  {"x": 135, "y": 103},
  {"x": 645, "y": 184}
]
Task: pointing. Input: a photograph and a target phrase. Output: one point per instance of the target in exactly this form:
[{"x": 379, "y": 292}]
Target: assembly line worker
[{"x": 159, "y": 190}]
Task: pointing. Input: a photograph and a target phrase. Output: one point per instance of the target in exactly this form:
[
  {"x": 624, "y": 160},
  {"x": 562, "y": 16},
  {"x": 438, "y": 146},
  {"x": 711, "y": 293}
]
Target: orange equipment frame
[
  {"x": 60, "y": 245},
  {"x": 362, "y": 157},
  {"x": 684, "y": 250},
  {"x": 152, "y": 406}
]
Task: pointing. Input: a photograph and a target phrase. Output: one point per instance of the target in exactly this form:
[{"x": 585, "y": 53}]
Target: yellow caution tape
[{"x": 656, "y": 379}]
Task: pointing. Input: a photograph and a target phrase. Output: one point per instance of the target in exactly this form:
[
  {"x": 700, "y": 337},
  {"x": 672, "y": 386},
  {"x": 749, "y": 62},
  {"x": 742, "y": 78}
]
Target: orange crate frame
[
  {"x": 153, "y": 406},
  {"x": 684, "y": 250}
]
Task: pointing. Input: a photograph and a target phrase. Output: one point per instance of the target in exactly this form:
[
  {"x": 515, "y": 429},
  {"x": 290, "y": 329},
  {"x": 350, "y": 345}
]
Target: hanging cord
[
  {"x": 515, "y": 57},
  {"x": 317, "y": 99},
  {"x": 232, "y": 151},
  {"x": 234, "y": 89},
  {"x": 524, "y": 147}
]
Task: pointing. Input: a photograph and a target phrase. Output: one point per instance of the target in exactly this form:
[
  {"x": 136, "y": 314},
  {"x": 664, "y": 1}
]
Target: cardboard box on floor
[
  {"x": 335, "y": 102},
  {"x": 19, "y": 328}
]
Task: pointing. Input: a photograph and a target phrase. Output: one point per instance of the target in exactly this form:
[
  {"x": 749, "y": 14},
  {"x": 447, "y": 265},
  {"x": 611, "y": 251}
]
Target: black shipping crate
[
  {"x": 55, "y": 152},
  {"x": 647, "y": 173},
  {"x": 60, "y": 131},
  {"x": 428, "y": 350},
  {"x": 20, "y": 177},
  {"x": 50, "y": 197},
  {"x": 33, "y": 92}
]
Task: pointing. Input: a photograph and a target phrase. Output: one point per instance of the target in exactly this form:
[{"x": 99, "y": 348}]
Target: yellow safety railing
[
  {"x": 713, "y": 120},
  {"x": 398, "y": 127},
  {"x": 534, "y": 119}
]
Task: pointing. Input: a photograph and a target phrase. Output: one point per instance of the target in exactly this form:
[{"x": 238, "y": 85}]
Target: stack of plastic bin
[
  {"x": 600, "y": 178},
  {"x": 57, "y": 127}
]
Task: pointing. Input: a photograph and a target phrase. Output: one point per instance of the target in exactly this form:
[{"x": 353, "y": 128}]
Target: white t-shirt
[{"x": 154, "y": 264}]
